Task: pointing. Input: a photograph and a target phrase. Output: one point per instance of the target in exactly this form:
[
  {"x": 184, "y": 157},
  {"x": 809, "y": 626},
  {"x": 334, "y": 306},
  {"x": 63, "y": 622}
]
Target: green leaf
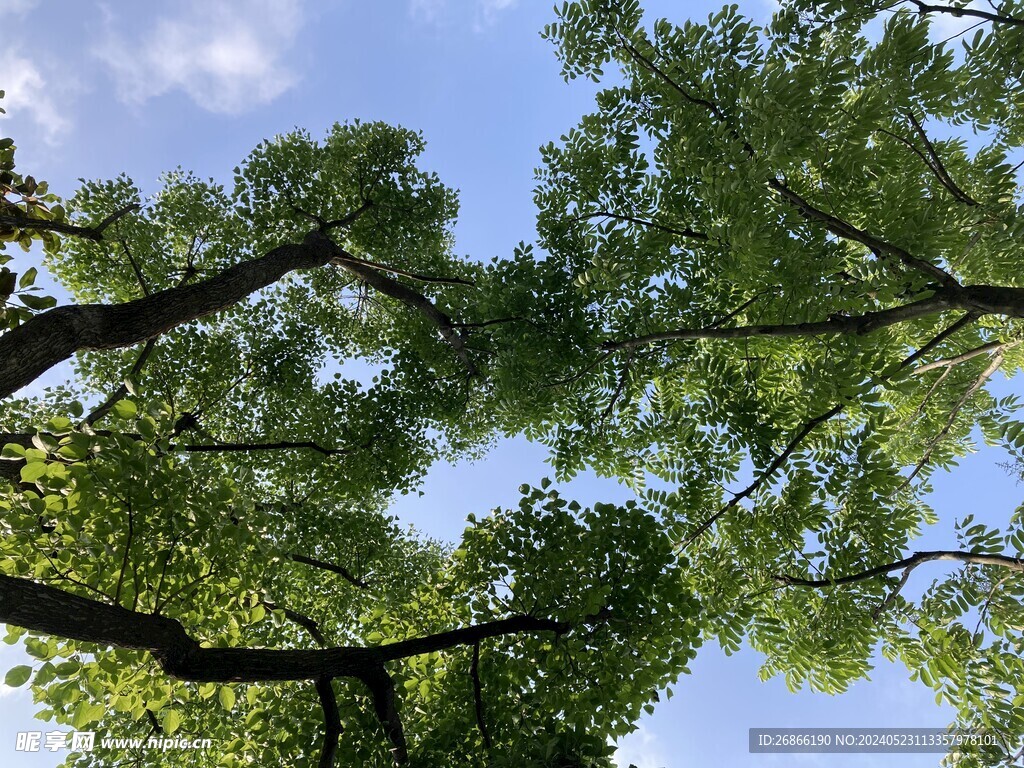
[
  {"x": 125, "y": 409},
  {"x": 226, "y": 696},
  {"x": 37, "y": 302},
  {"x": 18, "y": 676},
  {"x": 86, "y": 713},
  {"x": 12, "y": 451},
  {"x": 171, "y": 721},
  {"x": 33, "y": 471}
]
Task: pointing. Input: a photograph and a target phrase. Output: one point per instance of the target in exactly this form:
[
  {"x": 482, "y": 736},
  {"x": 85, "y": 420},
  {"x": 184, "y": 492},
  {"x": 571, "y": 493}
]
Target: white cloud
[
  {"x": 227, "y": 56},
  {"x": 640, "y": 748},
  {"x": 427, "y": 10},
  {"x": 28, "y": 94},
  {"x": 11, "y": 7},
  {"x": 484, "y": 13},
  {"x": 489, "y": 9}
]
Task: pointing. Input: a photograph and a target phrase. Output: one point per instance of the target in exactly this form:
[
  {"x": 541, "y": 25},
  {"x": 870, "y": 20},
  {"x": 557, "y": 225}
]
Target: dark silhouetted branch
[
  {"x": 332, "y": 722},
  {"x": 974, "y": 13},
  {"x": 916, "y": 559},
  {"x": 28, "y": 351},
  {"x": 478, "y": 698},
  {"x": 64, "y": 228},
  {"x": 838, "y": 324},
  {"x": 333, "y": 568}
]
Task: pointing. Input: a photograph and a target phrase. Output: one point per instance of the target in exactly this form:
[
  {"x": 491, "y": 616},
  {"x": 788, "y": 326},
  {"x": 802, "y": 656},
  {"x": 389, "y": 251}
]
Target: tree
[
  {"x": 802, "y": 244},
  {"x": 762, "y": 260},
  {"x": 196, "y": 537}
]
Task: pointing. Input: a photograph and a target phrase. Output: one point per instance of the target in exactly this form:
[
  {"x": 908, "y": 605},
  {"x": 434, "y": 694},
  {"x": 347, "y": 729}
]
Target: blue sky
[{"x": 97, "y": 88}]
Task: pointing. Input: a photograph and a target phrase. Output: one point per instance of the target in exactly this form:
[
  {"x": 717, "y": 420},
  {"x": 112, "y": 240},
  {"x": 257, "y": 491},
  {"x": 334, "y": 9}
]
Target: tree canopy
[{"x": 783, "y": 259}]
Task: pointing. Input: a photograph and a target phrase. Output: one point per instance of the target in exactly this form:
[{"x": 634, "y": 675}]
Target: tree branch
[
  {"x": 332, "y": 722},
  {"x": 447, "y": 329},
  {"x": 766, "y": 475},
  {"x": 122, "y": 390},
  {"x": 688, "y": 233},
  {"x": 348, "y": 219},
  {"x": 325, "y": 566},
  {"x": 382, "y": 690},
  {"x": 478, "y": 698},
  {"x": 837, "y": 324},
  {"x": 940, "y": 337},
  {"x": 403, "y": 273},
  {"x": 925, "y": 8},
  {"x": 936, "y": 165},
  {"x": 804, "y": 431},
  {"x": 304, "y": 621},
  {"x": 63, "y": 228},
  {"x": 848, "y": 231},
  {"x": 12, "y": 467},
  {"x": 220, "y": 447},
  {"x": 832, "y": 223},
  {"x": 949, "y": 362},
  {"x": 997, "y": 360},
  {"x": 42, "y": 608},
  {"x": 53, "y": 336},
  {"x": 916, "y": 559}
]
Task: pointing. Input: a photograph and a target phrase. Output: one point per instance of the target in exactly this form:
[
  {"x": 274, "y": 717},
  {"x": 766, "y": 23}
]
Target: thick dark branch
[
  {"x": 332, "y": 722},
  {"x": 53, "y": 611},
  {"x": 250, "y": 447},
  {"x": 140, "y": 361},
  {"x": 53, "y": 336},
  {"x": 972, "y": 558},
  {"x": 837, "y": 324},
  {"x": 515, "y": 625},
  {"x": 63, "y": 228},
  {"x": 153, "y": 722},
  {"x": 41, "y": 608},
  {"x": 418, "y": 276},
  {"x": 382, "y": 690},
  {"x": 348, "y": 219},
  {"x": 304, "y": 621},
  {"x": 848, "y": 231},
  {"x": 338, "y": 569},
  {"x": 478, "y": 698},
  {"x": 688, "y": 233},
  {"x": 446, "y": 328},
  {"x": 129, "y": 536},
  {"x": 975, "y": 13}
]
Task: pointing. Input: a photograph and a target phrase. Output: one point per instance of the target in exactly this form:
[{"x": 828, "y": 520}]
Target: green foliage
[
  {"x": 23, "y": 200},
  {"x": 817, "y": 169},
  {"x": 734, "y": 184}
]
